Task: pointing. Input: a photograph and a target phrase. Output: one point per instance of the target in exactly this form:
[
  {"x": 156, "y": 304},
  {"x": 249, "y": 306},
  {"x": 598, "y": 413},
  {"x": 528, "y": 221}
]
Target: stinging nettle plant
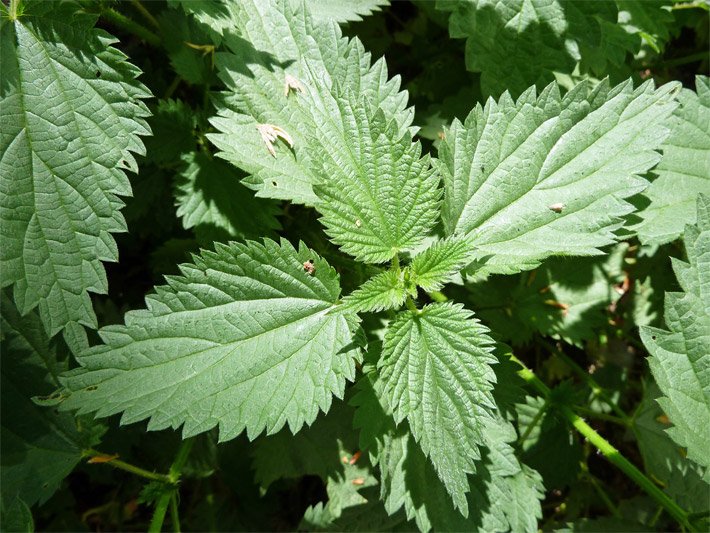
[{"x": 255, "y": 335}]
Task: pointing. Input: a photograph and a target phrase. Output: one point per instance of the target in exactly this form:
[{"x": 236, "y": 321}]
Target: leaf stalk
[
  {"x": 123, "y": 22},
  {"x": 128, "y": 467}
]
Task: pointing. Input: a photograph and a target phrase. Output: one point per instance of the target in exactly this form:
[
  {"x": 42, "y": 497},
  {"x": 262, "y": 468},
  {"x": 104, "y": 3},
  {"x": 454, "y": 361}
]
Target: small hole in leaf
[
  {"x": 653, "y": 337},
  {"x": 274, "y": 183},
  {"x": 91, "y": 388},
  {"x": 98, "y": 73}
]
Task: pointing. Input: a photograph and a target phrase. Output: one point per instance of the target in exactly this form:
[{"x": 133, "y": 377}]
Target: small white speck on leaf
[{"x": 557, "y": 208}]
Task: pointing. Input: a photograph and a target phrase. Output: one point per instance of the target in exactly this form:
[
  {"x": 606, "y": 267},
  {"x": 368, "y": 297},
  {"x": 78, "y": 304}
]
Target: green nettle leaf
[
  {"x": 71, "y": 118},
  {"x": 436, "y": 373},
  {"x": 15, "y": 515},
  {"x": 40, "y": 447},
  {"x": 439, "y": 263},
  {"x": 518, "y": 43},
  {"x": 341, "y": 10},
  {"x": 286, "y": 70},
  {"x": 386, "y": 290},
  {"x": 652, "y": 20},
  {"x": 684, "y": 171},
  {"x": 176, "y": 121},
  {"x": 680, "y": 357},
  {"x": 188, "y": 46},
  {"x": 664, "y": 459},
  {"x": 245, "y": 338},
  {"x": 410, "y": 482},
  {"x": 343, "y": 493},
  {"x": 377, "y": 196},
  {"x": 547, "y": 175},
  {"x": 210, "y": 197}
]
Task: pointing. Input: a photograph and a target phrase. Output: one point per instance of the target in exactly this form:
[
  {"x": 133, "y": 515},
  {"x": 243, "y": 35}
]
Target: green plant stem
[
  {"x": 174, "y": 514},
  {"x": 161, "y": 506},
  {"x": 597, "y": 390},
  {"x": 146, "y": 14},
  {"x": 601, "y": 416},
  {"x": 608, "y": 451},
  {"x": 123, "y": 22},
  {"x": 12, "y": 11},
  {"x": 122, "y": 465}
]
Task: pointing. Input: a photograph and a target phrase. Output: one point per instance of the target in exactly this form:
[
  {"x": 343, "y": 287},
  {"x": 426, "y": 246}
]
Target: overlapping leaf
[
  {"x": 684, "y": 171},
  {"x": 436, "y": 373},
  {"x": 518, "y": 43},
  {"x": 210, "y": 198},
  {"x": 40, "y": 447},
  {"x": 566, "y": 298},
  {"x": 72, "y": 115},
  {"x": 386, "y": 290},
  {"x": 439, "y": 263},
  {"x": 505, "y": 495},
  {"x": 377, "y": 195},
  {"x": 547, "y": 175},
  {"x": 245, "y": 338},
  {"x": 680, "y": 356},
  {"x": 285, "y": 69}
]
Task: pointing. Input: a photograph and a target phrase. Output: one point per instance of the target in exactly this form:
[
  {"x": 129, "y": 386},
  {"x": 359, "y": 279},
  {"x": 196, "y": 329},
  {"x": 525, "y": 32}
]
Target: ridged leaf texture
[
  {"x": 342, "y": 10},
  {"x": 680, "y": 355},
  {"x": 377, "y": 195},
  {"x": 244, "y": 339},
  {"x": 71, "y": 118},
  {"x": 438, "y": 264},
  {"x": 386, "y": 290},
  {"x": 409, "y": 482},
  {"x": 435, "y": 369},
  {"x": 684, "y": 171},
  {"x": 286, "y": 69},
  {"x": 547, "y": 175}
]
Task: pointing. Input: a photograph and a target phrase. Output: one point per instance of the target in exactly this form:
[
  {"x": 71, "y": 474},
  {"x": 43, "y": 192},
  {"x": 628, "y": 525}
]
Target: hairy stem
[
  {"x": 122, "y": 465},
  {"x": 174, "y": 515},
  {"x": 123, "y": 22},
  {"x": 608, "y": 451},
  {"x": 146, "y": 14},
  {"x": 161, "y": 507}
]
